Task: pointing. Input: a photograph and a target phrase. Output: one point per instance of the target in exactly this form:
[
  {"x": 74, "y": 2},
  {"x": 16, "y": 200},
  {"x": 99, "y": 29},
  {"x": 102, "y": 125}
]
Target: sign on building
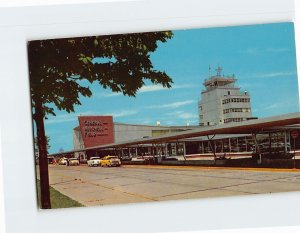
[{"x": 96, "y": 130}]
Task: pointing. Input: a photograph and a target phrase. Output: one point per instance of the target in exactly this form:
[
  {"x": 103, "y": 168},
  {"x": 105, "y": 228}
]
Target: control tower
[{"x": 223, "y": 102}]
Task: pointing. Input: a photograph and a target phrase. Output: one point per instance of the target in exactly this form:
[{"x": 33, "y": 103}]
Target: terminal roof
[{"x": 287, "y": 121}]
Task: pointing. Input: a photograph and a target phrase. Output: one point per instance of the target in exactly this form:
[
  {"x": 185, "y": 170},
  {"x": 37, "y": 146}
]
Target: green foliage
[
  {"x": 58, "y": 200},
  {"x": 57, "y": 66}
]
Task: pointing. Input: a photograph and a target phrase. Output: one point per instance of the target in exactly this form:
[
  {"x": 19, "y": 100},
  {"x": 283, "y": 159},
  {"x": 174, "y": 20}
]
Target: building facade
[
  {"x": 101, "y": 130},
  {"x": 95, "y": 131},
  {"x": 222, "y": 102}
]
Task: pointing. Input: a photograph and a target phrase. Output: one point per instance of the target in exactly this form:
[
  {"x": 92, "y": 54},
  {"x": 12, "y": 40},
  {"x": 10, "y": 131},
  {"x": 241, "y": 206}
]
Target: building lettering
[{"x": 94, "y": 128}]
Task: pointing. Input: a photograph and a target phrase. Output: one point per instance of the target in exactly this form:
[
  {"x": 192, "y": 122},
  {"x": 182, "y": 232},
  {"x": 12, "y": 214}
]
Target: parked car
[
  {"x": 62, "y": 161},
  {"x": 169, "y": 158},
  {"x": 51, "y": 160},
  {"x": 93, "y": 161},
  {"x": 126, "y": 158},
  {"x": 73, "y": 162},
  {"x": 145, "y": 158},
  {"x": 139, "y": 158},
  {"x": 110, "y": 161}
]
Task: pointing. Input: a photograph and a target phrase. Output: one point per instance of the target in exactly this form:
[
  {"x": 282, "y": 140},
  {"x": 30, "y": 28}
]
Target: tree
[
  {"x": 58, "y": 67},
  {"x": 48, "y": 146}
]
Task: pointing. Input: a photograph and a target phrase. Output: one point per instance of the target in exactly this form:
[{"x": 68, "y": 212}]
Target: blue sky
[{"x": 262, "y": 57}]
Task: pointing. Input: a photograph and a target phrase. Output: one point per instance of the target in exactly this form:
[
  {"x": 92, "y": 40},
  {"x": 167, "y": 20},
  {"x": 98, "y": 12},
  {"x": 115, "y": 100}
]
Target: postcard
[{"x": 166, "y": 115}]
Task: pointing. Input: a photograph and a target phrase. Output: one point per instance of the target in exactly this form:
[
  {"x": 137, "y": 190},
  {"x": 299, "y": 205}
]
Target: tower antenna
[{"x": 219, "y": 71}]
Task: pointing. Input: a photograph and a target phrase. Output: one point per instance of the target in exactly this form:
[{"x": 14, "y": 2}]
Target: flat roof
[
  {"x": 245, "y": 127},
  {"x": 219, "y": 79},
  {"x": 158, "y": 127}
]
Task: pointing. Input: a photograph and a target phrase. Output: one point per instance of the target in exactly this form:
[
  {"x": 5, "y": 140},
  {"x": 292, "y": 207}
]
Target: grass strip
[{"x": 58, "y": 200}]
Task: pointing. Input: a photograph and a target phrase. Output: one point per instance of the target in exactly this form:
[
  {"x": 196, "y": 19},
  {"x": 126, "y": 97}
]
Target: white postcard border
[{"x": 20, "y": 24}]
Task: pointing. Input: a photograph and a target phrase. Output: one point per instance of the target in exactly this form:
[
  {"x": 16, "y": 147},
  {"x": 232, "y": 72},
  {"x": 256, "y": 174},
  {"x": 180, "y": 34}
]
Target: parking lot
[{"x": 131, "y": 184}]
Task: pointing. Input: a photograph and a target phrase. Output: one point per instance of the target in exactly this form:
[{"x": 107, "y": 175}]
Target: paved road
[{"x": 131, "y": 184}]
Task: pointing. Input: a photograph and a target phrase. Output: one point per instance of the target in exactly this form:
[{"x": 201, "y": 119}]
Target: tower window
[{"x": 228, "y": 92}]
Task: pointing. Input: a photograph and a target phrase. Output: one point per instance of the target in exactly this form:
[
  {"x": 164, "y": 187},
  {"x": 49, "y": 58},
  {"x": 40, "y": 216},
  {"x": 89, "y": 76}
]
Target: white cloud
[
  {"x": 278, "y": 105},
  {"x": 272, "y": 106},
  {"x": 147, "y": 122},
  {"x": 187, "y": 116},
  {"x": 61, "y": 118},
  {"x": 122, "y": 113},
  {"x": 183, "y": 115},
  {"x": 67, "y": 117},
  {"x": 110, "y": 94},
  {"x": 173, "y": 105},
  {"x": 74, "y": 116},
  {"x": 174, "y": 113},
  {"x": 277, "y": 50},
  {"x": 275, "y": 74},
  {"x": 147, "y": 88},
  {"x": 167, "y": 122},
  {"x": 253, "y": 51},
  {"x": 151, "y": 88}
]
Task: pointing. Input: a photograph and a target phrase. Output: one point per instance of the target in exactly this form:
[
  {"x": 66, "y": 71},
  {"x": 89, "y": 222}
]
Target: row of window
[
  {"x": 229, "y": 110},
  {"x": 236, "y": 100},
  {"x": 234, "y": 120}
]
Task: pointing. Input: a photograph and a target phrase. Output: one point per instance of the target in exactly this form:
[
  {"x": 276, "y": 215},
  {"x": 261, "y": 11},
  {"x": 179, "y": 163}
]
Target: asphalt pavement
[{"x": 93, "y": 186}]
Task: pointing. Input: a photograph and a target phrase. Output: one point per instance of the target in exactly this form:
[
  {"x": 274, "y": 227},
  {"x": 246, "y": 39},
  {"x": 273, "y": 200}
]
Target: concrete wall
[
  {"x": 124, "y": 132},
  {"x": 77, "y": 140},
  {"x": 212, "y": 106}
]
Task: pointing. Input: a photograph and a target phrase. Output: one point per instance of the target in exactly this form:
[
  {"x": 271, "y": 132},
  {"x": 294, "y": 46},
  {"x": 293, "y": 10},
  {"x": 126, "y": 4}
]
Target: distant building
[
  {"x": 222, "y": 102},
  {"x": 101, "y": 130}
]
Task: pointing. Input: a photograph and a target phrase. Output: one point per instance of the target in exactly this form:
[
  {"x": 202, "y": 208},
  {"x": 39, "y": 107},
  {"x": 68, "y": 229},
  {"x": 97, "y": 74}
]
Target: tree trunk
[{"x": 43, "y": 157}]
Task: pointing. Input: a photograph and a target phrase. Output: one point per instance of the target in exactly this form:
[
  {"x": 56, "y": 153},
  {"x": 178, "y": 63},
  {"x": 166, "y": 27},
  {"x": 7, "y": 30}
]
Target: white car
[
  {"x": 139, "y": 158},
  {"x": 63, "y": 161},
  {"x": 73, "y": 162},
  {"x": 93, "y": 161}
]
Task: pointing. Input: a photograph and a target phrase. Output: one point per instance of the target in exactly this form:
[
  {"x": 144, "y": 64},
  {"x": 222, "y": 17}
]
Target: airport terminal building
[
  {"x": 101, "y": 130},
  {"x": 222, "y": 104},
  {"x": 100, "y": 136}
]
